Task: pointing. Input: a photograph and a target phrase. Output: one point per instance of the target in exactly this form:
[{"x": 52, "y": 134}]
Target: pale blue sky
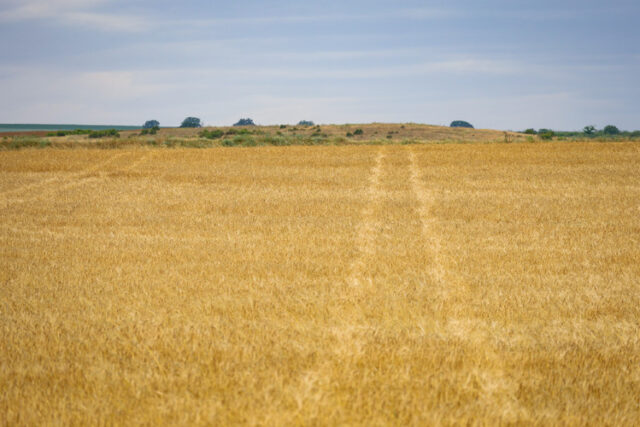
[{"x": 496, "y": 63}]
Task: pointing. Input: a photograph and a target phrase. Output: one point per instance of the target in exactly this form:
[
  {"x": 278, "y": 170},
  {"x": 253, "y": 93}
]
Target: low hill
[
  {"x": 373, "y": 131},
  {"x": 279, "y": 135}
]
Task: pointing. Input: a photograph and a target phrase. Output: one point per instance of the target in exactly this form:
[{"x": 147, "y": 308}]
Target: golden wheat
[{"x": 370, "y": 285}]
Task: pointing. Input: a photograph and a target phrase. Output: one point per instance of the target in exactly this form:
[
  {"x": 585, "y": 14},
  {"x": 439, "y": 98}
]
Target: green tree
[
  {"x": 530, "y": 131},
  {"x": 191, "y": 122},
  {"x": 149, "y": 124},
  {"x": 589, "y": 130},
  {"x": 244, "y": 122},
  {"x": 611, "y": 130},
  {"x": 460, "y": 124}
]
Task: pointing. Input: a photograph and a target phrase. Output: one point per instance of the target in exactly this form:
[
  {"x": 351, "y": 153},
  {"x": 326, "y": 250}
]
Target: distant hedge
[
  {"x": 104, "y": 133},
  {"x": 70, "y": 132}
]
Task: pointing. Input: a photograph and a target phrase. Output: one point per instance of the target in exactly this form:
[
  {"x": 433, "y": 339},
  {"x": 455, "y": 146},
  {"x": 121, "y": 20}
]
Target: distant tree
[
  {"x": 460, "y": 124},
  {"x": 610, "y": 130},
  {"x": 151, "y": 124},
  {"x": 589, "y": 130},
  {"x": 358, "y": 132},
  {"x": 245, "y": 122},
  {"x": 191, "y": 122},
  {"x": 305, "y": 123},
  {"x": 530, "y": 131}
]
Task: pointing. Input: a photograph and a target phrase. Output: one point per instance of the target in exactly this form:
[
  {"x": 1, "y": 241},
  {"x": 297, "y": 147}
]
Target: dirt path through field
[
  {"x": 425, "y": 199},
  {"x": 366, "y": 236}
]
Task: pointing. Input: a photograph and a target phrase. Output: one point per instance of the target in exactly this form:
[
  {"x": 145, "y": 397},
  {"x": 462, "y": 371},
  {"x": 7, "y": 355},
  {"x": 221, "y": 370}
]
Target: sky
[{"x": 501, "y": 64}]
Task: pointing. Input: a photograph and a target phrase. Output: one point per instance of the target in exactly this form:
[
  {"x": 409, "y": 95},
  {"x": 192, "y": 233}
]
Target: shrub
[
  {"x": 358, "y": 132},
  {"x": 275, "y": 140},
  {"x": 104, "y": 133},
  {"x": 460, "y": 124},
  {"x": 244, "y": 140},
  {"x": 150, "y": 131},
  {"x": 283, "y": 126},
  {"x": 191, "y": 122},
  {"x": 70, "y": 132},
  {"x": 244, "y": 122},
  {"x": 19, "y": 142},
  {"x": 211, "y": 134},
  {"x": 530, "y": 131},
  {"x": 546, "y": 135},
  {"x": 305, "y": 123},
  {"x": 349, "y": 134}
]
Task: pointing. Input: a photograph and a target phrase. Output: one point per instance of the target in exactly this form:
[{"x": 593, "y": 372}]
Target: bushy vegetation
[
  {"x": 305, "y": 123},
  {"x": 150, "y": 124},
  {"x": 299, "y": 135},
  {"x": 69, "y": 132},
  {"x": 608, "y": 133},
  {"x": 239, "y": 132},
  {"x": 211, "y": 134},
  {"x": 18, "y": 142},
  {"x": 107, "y": 133},
  {"x": 150, "y": 131},
  {"x": 546, "y": 134}
]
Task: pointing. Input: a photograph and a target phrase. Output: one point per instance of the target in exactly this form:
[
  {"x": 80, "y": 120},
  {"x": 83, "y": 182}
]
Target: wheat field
[{"x": 363, "y": 285}]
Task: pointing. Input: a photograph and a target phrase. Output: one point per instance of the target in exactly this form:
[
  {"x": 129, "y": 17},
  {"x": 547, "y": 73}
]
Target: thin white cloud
[
  {"x": 78, "y": 13},
  {"x": 421, "y": 13},
  {"x": 38, "y": 9},
  {"x": 87, "y": 13},
  {"x": 425, "y": 13}
]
